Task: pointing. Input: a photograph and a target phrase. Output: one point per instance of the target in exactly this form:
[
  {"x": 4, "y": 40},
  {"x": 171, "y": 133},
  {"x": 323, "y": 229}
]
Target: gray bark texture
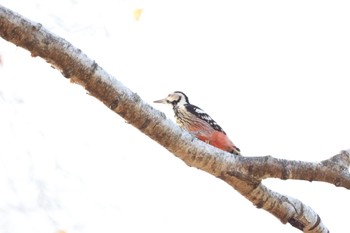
[{"x": 243, "y": 173}]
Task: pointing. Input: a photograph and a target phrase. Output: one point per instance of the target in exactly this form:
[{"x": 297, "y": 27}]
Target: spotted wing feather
[{"x": 204, "y": 116}]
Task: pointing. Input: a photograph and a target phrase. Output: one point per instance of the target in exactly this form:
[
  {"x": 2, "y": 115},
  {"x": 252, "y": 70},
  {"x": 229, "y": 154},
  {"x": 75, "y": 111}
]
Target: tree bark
[{"x": 243, "y": 173}]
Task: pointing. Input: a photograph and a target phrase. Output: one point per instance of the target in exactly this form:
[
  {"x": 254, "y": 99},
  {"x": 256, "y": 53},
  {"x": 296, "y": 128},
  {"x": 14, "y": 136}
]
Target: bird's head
[{"x": 176, "y": 98}]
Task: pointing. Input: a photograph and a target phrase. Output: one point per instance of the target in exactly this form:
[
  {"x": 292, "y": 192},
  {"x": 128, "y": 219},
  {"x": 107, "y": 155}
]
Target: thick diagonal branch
[{"x": 241, "y": 173}]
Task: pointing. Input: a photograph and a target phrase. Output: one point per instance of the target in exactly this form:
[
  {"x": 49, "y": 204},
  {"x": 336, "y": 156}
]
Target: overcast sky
[{"x": 274, "y": 74}]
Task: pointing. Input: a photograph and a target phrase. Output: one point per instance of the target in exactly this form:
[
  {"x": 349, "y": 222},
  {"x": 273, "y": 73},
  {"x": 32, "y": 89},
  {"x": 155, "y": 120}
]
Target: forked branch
[{"x": 242, "y": 173}]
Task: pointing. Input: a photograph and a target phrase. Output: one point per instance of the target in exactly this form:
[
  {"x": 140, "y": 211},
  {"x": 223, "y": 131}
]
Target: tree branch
[
  {"x": 334, "y": 170},
  {"x": 242, "y": 173}
]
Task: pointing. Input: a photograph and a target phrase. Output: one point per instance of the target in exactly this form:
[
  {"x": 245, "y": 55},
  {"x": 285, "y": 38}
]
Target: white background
[{"x": 273, "y": 74}]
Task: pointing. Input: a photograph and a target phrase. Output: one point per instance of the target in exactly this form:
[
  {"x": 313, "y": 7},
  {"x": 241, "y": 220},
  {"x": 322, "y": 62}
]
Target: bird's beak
[{"x": 162, "y": 101}]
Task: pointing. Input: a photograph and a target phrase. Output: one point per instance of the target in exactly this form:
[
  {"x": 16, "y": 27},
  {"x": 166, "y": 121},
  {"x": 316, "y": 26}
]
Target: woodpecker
[{"x": 197, "y": 122}]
